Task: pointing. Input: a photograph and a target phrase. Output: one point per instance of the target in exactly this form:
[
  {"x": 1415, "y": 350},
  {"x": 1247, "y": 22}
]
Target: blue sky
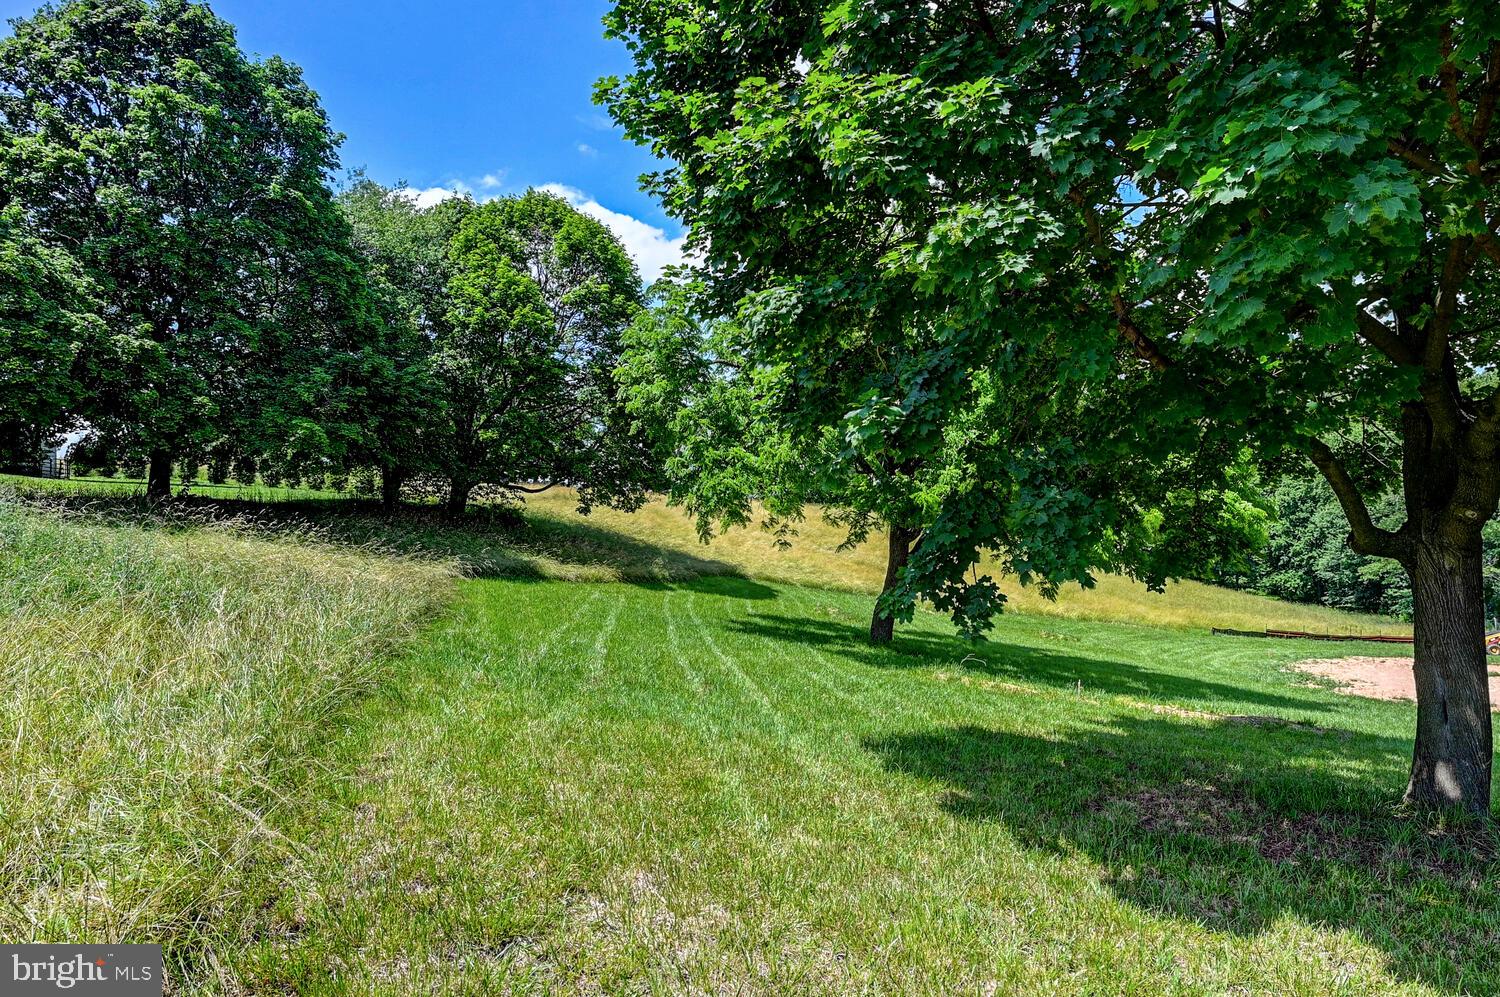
[{"x": 485, "y": 97}]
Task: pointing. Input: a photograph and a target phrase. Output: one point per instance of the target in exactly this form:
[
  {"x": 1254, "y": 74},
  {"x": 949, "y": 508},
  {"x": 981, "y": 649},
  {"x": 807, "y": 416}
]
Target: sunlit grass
[
  {"x": 659, "y": 541},
  {"x": 166, "y": 688},
  {"x": 97, "y": 486},
  {"x": 246, "y": 731},
  {"x": 717, "y": 786}
]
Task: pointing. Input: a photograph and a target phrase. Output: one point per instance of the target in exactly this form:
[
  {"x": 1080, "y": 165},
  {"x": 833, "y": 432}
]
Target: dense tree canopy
[
  {"x": 498, "y": 367},
  {"x": 189, "y": 183},
  {"x": 408, "y": 267},
  {"x": 1307, "y": 557},
  {"x": 523, "y": 360},
  {"x": 592, "y": 290},
  {"x": 1282, "y": 213},
  {"x": 209, "y": 299},
  {"x": 50, "y": 334}
]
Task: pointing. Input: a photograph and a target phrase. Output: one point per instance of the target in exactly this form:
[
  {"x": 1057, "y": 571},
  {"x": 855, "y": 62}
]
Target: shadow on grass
[
  {"x": 1235, "y": 828},
  {"x": 1009, "y": 661},
  {"x": 491, "y": 542}
]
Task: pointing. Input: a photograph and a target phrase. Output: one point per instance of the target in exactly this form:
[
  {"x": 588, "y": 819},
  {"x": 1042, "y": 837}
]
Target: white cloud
[
  {"x": 652, "y": 249},
  {"x": 587, "y": 150},
  {"x": 432, "y": 195},
  {"x": 597, "y": 120},
  {"x": 491, "y": 181}
]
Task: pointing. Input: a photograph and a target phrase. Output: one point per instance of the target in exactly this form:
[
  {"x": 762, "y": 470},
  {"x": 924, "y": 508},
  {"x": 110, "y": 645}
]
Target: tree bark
[
  {"x": 159, "y": 477},
  {"x": 1451, "y": 761},
  {"x": 1450, "y": 487},
  {"x": 899, "y": 541},
  {"x": 390, "y": 487},
  {"x": 458, "y": 499}
]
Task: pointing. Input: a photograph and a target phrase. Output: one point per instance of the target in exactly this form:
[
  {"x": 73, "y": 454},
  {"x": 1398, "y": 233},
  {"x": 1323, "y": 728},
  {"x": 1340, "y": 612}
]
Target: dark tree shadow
[
  {"x": 1234, "y": 826},
  {"x": 913, "y": 649}
]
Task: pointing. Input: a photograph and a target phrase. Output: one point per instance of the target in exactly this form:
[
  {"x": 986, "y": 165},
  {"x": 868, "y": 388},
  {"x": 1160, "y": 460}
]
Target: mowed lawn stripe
[
  {"x": 693, "y": 809},
  {"x": 671, "y": 613}
]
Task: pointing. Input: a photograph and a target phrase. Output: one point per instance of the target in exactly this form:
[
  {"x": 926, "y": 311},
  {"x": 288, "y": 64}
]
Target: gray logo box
[{"x": 102, "y": 970}]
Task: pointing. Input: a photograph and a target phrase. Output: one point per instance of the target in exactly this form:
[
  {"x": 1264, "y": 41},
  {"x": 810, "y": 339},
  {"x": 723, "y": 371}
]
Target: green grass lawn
[
  {"x": 716, "y": 786},
  {"x": 694, "y": 782}
]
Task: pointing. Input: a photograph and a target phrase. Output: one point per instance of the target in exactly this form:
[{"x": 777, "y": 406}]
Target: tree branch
[
  {"x": 1489, "y": 244},
  {"x": 1364, "y": 536},
  {"x": 1485, "y": 112},
  {"x": 1483, "y": 440},
  {"x": 1448, "y": 75},
  {"x": 986, "y": 23},
  {"x": 1445, "y": 308},
  {"x": 1416, "y": 456},
  {"x": 1366, "y": 37},
  {"x": 1385, "y": 339},
  {"x": 1214, "y": 29},
  {"x": 1412, "y": 157},
  {"x": 1443, "y": 403},
  {"x": 1124, "y": 316},
  {"x": 1144, "y": 347}
]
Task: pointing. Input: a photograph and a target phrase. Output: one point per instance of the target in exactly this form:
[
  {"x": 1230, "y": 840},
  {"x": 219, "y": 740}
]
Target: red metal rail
[
  {"x": 1304, "y": 635},
  {"x": 1491, "y": 641}
]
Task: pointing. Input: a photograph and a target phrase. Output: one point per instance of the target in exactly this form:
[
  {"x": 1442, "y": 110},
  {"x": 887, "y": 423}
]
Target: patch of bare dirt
[
  {"x": 1378, "y": 678},
  {"x": 1207, "y": 810},
  {"x": 1248, "y": 719}
]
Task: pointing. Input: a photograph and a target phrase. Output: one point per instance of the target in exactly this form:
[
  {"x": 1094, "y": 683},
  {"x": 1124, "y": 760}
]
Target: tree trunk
[
  {"x": 390, "y": 487},
  {"x": 458, "y": 499},
  {"x": 883, "y": 627},
  {"x": 1451, "y": 761},
  {"x": 159, "y": 477}
]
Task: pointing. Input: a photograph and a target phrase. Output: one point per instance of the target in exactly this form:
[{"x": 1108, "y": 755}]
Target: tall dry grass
[{"x": 166, "y": 691}]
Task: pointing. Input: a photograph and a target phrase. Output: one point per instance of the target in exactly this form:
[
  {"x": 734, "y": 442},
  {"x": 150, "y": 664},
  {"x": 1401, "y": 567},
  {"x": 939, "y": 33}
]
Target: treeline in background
[
  {"x": 1306, "y": 557},
  {"x": 183, "y": 287}
]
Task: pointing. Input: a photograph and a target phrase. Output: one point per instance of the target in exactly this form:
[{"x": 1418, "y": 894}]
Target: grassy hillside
[
  {"x": 658, "y": 541},
  {"x": 814, "y": 559},
  {"x": 293, "y": 744}
]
